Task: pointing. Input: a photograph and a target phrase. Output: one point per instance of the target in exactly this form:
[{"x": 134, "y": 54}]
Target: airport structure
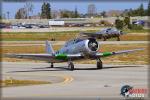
[{"x": 69, "y": 20}]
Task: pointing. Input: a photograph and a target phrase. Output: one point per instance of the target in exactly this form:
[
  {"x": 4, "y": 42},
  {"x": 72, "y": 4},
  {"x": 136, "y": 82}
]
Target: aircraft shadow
[
  {"x": 42, "y": 69},
  {"x": 112, "y": 67},
  {"x": 63, "y": 68}
]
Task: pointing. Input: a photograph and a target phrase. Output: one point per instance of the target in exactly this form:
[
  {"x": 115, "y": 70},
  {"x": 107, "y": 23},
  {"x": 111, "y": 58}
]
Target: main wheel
[
  {"x": 99, "y": 64},
  {"x": 71, "y": 66},
  {"x": 118, "y": 38},
  {"x": 104, "y": 39}
]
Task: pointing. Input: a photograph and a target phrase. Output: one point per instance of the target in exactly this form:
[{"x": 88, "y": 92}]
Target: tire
[
  {"x": 104, "y": 38},
  {"x": 99, "y": 65},
  {"x": 118, "y": 38},
  {"x": 71, "y": 66}
]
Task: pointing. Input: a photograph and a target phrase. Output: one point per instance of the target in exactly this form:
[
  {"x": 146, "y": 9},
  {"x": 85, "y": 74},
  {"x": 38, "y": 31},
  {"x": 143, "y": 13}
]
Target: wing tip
[{"x": 139, "y": 49}]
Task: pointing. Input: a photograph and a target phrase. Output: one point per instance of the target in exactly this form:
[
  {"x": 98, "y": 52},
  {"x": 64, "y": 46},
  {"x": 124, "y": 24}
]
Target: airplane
[
  {"x": 106, "y": 34},
  {"x": 75, "y": 49}
]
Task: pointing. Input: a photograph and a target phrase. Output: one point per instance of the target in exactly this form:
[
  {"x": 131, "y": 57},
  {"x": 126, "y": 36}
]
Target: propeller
[{"x": 93, "y": 45}]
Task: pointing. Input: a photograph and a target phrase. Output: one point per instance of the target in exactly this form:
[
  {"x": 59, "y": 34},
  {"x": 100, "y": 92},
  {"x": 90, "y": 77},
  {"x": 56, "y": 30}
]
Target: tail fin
[{"x": 49, "y": 48}]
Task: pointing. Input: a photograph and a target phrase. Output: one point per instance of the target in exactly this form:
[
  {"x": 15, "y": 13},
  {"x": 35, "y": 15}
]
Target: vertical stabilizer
[{"x": 49, "y": 48}]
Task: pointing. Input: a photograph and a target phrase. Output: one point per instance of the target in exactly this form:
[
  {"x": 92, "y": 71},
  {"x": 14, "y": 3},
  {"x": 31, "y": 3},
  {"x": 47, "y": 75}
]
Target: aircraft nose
[
  {"x": 92, "y": 45},
  {"x": 121, "y": 32}
]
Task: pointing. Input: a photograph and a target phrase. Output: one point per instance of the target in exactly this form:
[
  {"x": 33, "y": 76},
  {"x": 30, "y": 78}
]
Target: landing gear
[
  {"x": 71, "y": 66},
  {"x": 52, "y": 65},
  {"x": 118, "y": 38},
  {"x": 104, "y": 38},
  {"x": 99, "y": 64}
]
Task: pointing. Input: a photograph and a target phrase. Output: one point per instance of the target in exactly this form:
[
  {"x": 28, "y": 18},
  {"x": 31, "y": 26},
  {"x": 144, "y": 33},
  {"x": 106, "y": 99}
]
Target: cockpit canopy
[{"x": 74, "y": 41}]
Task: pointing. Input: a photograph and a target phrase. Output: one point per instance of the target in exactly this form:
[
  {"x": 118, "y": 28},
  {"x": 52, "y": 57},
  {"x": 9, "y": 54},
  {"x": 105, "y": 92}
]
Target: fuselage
[
  {"x": 84, "y": 46},
  {"x": 110, "y": 33}
]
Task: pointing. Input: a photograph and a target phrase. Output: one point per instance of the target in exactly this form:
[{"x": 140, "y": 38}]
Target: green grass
[
  {"x": 63, "y": 32},
  {"x": 61, "y": 36},
  {"x": 36, "y": 36},
  {"x": 137, "y": 31},
  {"x": 14, "y": 82}
]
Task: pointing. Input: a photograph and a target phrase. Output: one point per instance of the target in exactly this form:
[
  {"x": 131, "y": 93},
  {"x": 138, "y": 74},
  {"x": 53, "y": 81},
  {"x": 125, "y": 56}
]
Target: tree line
[
  {"x": 140, "y": 11},
  {"x": 126, "y": 24},
  {"x": 46, "y": 12},
  {"x": 23, "y": 13}
]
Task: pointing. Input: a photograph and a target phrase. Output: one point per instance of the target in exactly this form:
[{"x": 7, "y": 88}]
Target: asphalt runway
[{"x": 84, "y": 81}]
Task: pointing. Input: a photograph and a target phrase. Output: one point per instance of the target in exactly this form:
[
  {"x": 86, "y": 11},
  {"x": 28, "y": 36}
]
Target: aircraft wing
[
  {"x": 46, "y": 57},
  {"x": 106, "y": 54},
  {"x": 95, "y": 35},
  {"x": 30, "y": 56}
]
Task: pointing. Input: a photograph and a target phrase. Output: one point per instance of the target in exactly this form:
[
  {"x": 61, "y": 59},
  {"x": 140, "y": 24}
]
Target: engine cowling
[{"x": 92, "y": 45}]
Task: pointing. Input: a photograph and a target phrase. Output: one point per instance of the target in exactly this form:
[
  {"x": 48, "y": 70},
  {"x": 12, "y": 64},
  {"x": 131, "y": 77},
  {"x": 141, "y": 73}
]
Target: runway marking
[{"x": 67, "y": 79}]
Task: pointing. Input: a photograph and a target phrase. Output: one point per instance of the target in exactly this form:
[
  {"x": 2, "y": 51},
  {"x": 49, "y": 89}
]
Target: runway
[{"x": 84, "y": 81}]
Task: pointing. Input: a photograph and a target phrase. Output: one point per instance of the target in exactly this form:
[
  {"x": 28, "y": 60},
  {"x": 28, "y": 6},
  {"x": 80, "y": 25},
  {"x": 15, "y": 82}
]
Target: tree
[
  {"x": 76, "y": 15},
  {"x": 127, "y": 22},
  {"x": 48, "y": 8},
  {"x": 141, "y": 10},
  {"x": 46, "y": 11},
  {"x": 103, "y": 14},
  {"x": 67, "y": 14},
  {"x": 43, "y": 10},
  {"x": 29, "y": 8},
  {"x": 148, "y": 9},
  {"x": 119, "y": 24},
  {"x": 21, "y": 14},
  {"x": 64, "y": 15}
]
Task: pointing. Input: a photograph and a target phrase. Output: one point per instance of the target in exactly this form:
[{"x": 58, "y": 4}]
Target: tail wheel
[
  {"x": 71, "y": 66},
  {"x": 99, "y": 64}
]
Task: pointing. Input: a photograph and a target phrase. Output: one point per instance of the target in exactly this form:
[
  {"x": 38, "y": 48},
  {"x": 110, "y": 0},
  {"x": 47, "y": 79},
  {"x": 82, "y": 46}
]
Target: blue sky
[{"x": 12, "y": 7}]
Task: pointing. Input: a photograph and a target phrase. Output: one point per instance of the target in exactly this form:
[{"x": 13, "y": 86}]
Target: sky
[{"x": 12, "y": 7}]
